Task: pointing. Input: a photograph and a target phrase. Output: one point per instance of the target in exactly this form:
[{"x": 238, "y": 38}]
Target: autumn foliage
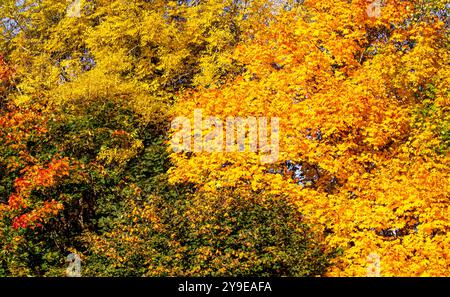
[
  {"x": 363, "y": 107},
  {"x": 86, "y": 166}
]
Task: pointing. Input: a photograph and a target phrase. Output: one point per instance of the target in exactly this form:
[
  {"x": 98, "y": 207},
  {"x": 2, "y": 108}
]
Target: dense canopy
[{"x": 90, "y": 90}]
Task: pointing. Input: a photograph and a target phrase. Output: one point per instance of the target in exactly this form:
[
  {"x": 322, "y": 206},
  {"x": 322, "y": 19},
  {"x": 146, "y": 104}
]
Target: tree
[
  {"x": 363, "y": 108},
  {"x": 88, "y": 113}
]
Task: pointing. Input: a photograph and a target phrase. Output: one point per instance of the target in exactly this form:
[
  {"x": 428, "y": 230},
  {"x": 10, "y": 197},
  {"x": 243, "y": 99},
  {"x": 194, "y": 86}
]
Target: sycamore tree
[
  {"x": 354, "y": 174},
  {"x": 86, "y": 94},
  {"x": 361, "y": 91}
]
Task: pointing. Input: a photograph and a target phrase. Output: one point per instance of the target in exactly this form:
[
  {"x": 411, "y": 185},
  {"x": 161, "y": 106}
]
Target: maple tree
[
  {"x": 361, "y": 93},
  {"x": 363, "y": 110}
]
